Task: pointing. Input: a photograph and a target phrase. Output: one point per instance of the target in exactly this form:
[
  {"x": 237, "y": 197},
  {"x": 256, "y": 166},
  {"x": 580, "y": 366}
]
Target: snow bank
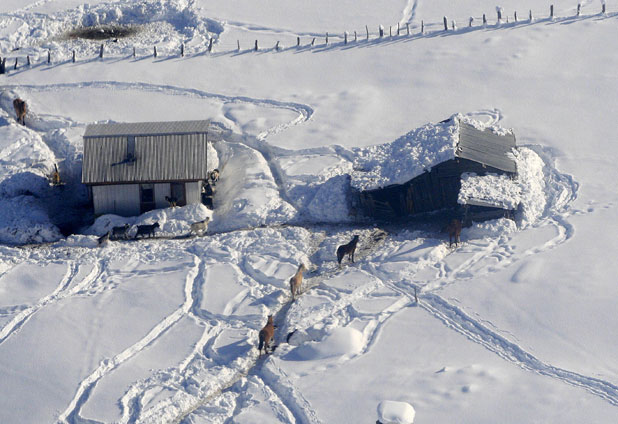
[
  {"x": 341, "y": 341},
  {"x": 172, "y": 221},
  {"x": 247, "y": 195},
  {"x": 391, "y": 412},
  {"x": 489, "y": 229},
  {"x": 166, "y": 23},
  {"x": 531, "y": 180},
  {"x": 24, "y": 220}
]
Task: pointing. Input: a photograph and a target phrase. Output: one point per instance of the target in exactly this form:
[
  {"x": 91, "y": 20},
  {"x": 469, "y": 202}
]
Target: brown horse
[
  {"x": 454, "y": 230},
  {"x": 20, "y": 110},
  {"x": 347, "y": 249},
  {"x": 266, "y": 335},
  {"x": 297, "y": 280}
]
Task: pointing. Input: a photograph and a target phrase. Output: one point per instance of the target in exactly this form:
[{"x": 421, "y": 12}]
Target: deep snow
[{"x": 164, "y": 330}]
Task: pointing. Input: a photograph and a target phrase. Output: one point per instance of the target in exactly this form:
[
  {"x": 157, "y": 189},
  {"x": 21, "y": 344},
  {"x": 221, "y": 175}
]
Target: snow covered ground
[{"x": 515, "y": 325}]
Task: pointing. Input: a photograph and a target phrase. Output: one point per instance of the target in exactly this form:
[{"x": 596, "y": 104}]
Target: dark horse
[
  {"x": 454, "y": 230},
  {"x": 266, "y": 335},
  {"x": 347, "y": 249}
]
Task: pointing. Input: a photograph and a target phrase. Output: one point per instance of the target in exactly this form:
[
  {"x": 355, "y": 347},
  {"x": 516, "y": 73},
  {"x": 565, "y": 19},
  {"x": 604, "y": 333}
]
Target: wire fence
[{"x": 375, "y": 36}]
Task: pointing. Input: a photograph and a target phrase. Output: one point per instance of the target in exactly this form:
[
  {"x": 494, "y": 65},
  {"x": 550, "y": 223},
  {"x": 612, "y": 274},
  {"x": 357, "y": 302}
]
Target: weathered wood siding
[{"x": 116, "y": 199}]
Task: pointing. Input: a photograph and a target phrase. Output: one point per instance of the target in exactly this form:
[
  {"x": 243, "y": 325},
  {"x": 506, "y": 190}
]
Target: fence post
[
  {"x": 2, "y": 66},
  {"x": 28, "y": 60},
  {"x": 579, "y": 9},
  {"x": 445, "y": 24},
  {"x": 155, "y": 51},
  {"x": 367, "y": 29},
  {"x": 297, "y": 41},
  {"x": 499, "y": 12},
  {"x": 101, "y": 52},
  {"x": 397, "y": 28},
  {"x": 256, "y": 46},
  {"x": 182, "y": 49},
  {"x": 327, "y": 38},
  {"x": 381, "y": 29},
  {"x": 551, "y": 11},
  {"x": 277, "y": 46},
  {"x": 312, "y": 41},
  {"x": 15, "y": 66},
  {"x": 390, "y": 30},
  {"x": 210, "y": 45},
  {"x": 355, "y": 37},
  {"x": 470, "y": 22},
  {"x": 515, "y": 15},
  {"x": 237, "y": 45},
  {"x": 48, "y": 57},
  {"x": 345, "y": 37},
  {"x": 453, "y": 25},
  {"x": 422, "y": 27},
  {"x": 133, "y": 52},
  {"x": 530, "y": 16},
  {"x": 603, "y": 7},
  {"x": 484, "y": 19},
  {"x": 407, "y": 28}
]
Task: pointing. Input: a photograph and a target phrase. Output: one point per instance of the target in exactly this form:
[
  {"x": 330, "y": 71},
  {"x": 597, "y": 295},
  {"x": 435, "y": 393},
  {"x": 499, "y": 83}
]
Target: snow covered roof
[
  {"x": 497, "y": 191},
  {"x": 147, "y": 128},
  {"x": 425, "y": 147}
]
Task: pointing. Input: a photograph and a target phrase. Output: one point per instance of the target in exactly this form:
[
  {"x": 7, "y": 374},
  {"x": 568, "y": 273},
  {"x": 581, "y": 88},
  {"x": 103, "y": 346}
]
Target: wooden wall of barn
[{"x": 427, "y": 192}]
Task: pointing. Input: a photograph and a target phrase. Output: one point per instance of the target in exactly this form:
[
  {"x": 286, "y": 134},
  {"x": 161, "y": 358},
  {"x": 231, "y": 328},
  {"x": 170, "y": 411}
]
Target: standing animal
[
  {"x": 297, "y": 280},
  {"x": 200, "y": 226},
  {"x": 172, "y": 201},
  {"x": 118, "y": 232},
  {"x": 266, "y": 335},
  {"x": 20, "y": 110},
  {"x": 104, "y": 238},
  {"x": 347, "y": 249},
  {"x": 454, "y": 230},
  {"x": 149, "y": 230}
]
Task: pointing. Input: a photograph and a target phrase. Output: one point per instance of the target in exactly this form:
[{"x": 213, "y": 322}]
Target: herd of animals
[{"x": 267, "y": 333}]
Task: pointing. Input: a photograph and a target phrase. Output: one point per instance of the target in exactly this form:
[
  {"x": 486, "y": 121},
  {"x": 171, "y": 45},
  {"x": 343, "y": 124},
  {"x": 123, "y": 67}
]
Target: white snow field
[{"x": 516, "y": 325}]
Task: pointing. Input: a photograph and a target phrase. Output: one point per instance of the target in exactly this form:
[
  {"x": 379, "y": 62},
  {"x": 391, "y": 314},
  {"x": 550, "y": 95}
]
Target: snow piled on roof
[
  {"x": 406, "y": 157},
  {"x": 489, "y": 190}
]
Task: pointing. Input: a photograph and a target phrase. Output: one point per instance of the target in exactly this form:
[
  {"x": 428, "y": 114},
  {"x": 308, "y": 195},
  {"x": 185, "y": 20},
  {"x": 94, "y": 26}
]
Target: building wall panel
[{"x": 122, "y": 199}]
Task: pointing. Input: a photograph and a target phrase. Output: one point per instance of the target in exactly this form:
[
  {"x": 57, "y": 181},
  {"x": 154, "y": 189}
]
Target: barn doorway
[
  {"x": 177, "y": 191},
  {"x": 146, "y": 197}
]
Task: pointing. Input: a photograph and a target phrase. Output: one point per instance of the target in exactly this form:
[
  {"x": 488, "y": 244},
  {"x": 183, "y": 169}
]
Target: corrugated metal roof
[
  {"x": 172, "y": 157},
  {"x": 147, "y": 128},
  {"x": 486, "y": 147}
]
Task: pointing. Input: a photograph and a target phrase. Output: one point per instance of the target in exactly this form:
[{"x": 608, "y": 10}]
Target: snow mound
[
  {"x": 16, "y": 227},
  {"x": 489, "y": 229},
  {"x": 341, "y": 341},
  {"x": 247, "y": 195},
  {"x": 531, "y": 180},
  {"x": 392, "y": 412},
  {"x": 165, "y": 23},
  {"x": 495, "y": 190}
]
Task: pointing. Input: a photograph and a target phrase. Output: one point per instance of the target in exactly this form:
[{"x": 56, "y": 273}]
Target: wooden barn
[
  {"x": 131, "y": 168},
  {"x": 438, "y": 188}
]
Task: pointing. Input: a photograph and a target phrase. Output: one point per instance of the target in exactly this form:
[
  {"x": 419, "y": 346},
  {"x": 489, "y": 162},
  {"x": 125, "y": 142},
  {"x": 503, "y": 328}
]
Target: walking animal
[
  {"x": 149, "y": 230},
  {"x": 454, "y": 230},
  {"x": 200, "y": 227},
  {"x": 266, "y": 335},
  {"x": 121, "y": 232},
  {"x": 297, "y": 280},
  {"x": 347, "y": 249},
  {"x": 104, "y": 238},
  {"x": 20, "y": 110}
]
